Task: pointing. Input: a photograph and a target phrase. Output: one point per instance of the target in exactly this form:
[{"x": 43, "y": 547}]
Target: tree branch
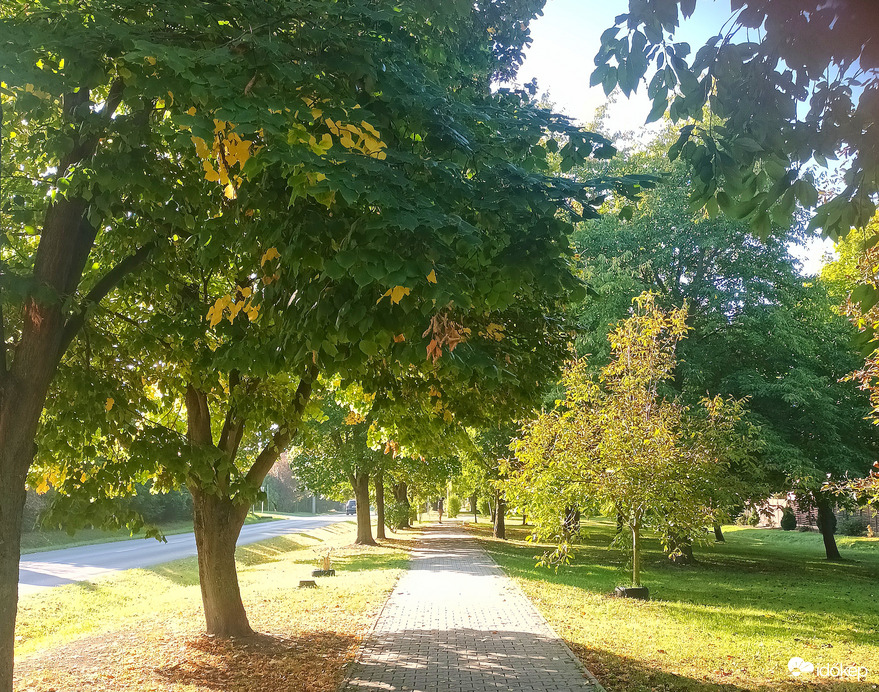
[
  {"x": 286, "y": 432},
  {"x": 101, "y": 289},
  {"x": 233, "y": 426}
]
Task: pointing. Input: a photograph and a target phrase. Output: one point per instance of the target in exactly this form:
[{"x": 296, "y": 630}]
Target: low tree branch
[
  {"x": 286, "y": 432},
  {"x": 102, "y": 288}
]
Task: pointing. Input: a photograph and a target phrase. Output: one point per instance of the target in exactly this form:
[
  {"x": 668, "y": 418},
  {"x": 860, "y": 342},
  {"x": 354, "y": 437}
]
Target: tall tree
[
  {"x": 357, "y": 207},
  {"x": 759, "y": 330}
]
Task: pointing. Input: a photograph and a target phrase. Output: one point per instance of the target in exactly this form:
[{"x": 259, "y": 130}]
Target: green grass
[
  {"x": 39, "y": 541},
  {"x": 731, "y": 622},
  {"x": 159, "y": 611},
  {"x": 267, "y": 571}
]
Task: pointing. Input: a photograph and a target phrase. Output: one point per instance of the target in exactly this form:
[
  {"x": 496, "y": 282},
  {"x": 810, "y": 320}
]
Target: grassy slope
[
  {"x": 157, "y": 614},
  {"x": 732, "y": 622},
  {"x": 38, "y": 541}
]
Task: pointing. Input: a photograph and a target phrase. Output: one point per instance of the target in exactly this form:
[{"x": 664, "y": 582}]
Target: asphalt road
[{"x": 39, "y": 571}]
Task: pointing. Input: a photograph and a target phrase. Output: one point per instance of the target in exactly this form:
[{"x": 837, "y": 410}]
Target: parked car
[{"x": 351, "y": 507}]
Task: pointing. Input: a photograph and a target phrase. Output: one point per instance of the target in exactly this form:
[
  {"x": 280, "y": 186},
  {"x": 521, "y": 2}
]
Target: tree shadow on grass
[
  {"x": 748, "y": 585},
  {"x": 312, "y": 660},
  {"x": 624, "y": 674}
]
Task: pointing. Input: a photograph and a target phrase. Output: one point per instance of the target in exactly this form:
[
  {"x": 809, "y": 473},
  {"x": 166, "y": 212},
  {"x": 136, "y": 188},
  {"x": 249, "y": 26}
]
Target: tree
[
  {"x": 804, "y": 93},
  {"x": 618, "y": 440},
  {"x": 116, "y": 122},
  {"x": 334, "y": 452},
  {"x": 758, "y": 330}
]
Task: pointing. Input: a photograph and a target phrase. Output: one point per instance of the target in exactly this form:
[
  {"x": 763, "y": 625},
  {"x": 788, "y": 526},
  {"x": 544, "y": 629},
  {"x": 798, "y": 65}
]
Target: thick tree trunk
[
  {"x": 360, "y": 485},
  {"x": 217, "y": 522},
  {"x": 401, "y": 496},
  {"x": 827, "y": 526},
  {"x": 718, "y": 533},
  {"x": 500, "y": 529},
  {"x": 12, "y": 495},
  {"x": 474, "y": 506},
  {"x": 380, "y": 505}
]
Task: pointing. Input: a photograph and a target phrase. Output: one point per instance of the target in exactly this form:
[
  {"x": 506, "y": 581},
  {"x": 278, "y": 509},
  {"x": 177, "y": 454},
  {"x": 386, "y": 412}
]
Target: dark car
[{"x": 351, "y": 507}]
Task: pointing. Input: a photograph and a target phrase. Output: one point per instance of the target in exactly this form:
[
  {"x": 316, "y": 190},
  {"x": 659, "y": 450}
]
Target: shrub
[
  {"x": 454, "y": 506},
  {"x": 788, "y": 519},
  {"x": 484, "y": 507},
  {"x": 742, "y": 519},
  {"x": 754, "y": 518},
  {"x": 399, "y": 515},
  {"x": 851, "y": 526}
]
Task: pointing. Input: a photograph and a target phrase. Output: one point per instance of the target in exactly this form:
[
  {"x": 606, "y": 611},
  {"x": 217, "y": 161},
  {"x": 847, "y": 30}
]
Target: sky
[{"x": 561, "y": 59}]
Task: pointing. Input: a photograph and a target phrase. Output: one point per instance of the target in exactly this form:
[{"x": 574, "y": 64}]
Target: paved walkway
[{"x": 456, "y": 623}]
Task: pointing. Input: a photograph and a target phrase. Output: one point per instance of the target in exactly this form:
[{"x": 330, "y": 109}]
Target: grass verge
[
  {"x": 729, "y": 623},
  {"x": 142, "y": 629},
  {"x": 38, "y": 541}
]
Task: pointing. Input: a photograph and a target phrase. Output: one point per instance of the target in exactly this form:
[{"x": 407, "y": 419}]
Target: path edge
[
  {"x": 586, "y": 672},
  {"x": 366, "y": 637}
]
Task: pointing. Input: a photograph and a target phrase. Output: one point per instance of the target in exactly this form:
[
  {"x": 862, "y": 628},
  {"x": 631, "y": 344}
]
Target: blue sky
[{"x": 561, "y": 58}]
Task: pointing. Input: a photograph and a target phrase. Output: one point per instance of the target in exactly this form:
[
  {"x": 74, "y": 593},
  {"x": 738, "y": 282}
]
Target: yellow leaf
[
  {"x": 246, "y": 291},
  {"x": 268, "y": 255},
  {"x": 369, "y": 128},
  {"x": 399, "y": 338},
  {"x": 190, "y": 110},
  {"x": 209, "y": 173},
  {"x": 151, "y": 60},
  {"x": 201, "y": 148},
  {"x": 43, "y": 487},
  {"x": 109, "y": 404},
  {"x": 432, "y": 276},
  {"x": 234, "y": 309},
  {"x": 230, "y": 191},
  {"x": 397, "y": 293},
  {"x": 316, "y": 113}
]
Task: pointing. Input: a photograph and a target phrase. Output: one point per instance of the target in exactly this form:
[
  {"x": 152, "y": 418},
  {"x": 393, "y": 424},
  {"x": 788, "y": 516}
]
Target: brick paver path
[{"x": 456, "y": 623}]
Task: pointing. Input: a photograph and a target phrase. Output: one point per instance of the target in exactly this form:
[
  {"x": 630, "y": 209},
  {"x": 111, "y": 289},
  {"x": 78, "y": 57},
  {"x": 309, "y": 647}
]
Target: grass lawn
[
  {"x": 142, "y": 629},
  {"x": 731, "y": 622},
  {"x": 38, "y": 541}
]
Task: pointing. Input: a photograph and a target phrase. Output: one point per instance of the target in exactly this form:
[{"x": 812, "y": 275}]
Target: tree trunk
[
  {"x": 401, "y": 495},
  {"x": 827, "y": 526},
  {"x": 621, "y": 520},
  {"x": 474, "y": 505},
  {"x": 572, "y": 520},
  {"x": 718, "y": 533},
  {"x": 380, "y": 505},
  {"x": 217, "y": 522},
  {"x": 681, "y": 548},
  {"x": 523, "y": 519},
  {"x": 493, "y": 511},
  {"x": 636, "y": 553},
  {"x": 500, "y": 529},
  {"x": 13, "y": 468},
  {"x": 360, "y": 484}
]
